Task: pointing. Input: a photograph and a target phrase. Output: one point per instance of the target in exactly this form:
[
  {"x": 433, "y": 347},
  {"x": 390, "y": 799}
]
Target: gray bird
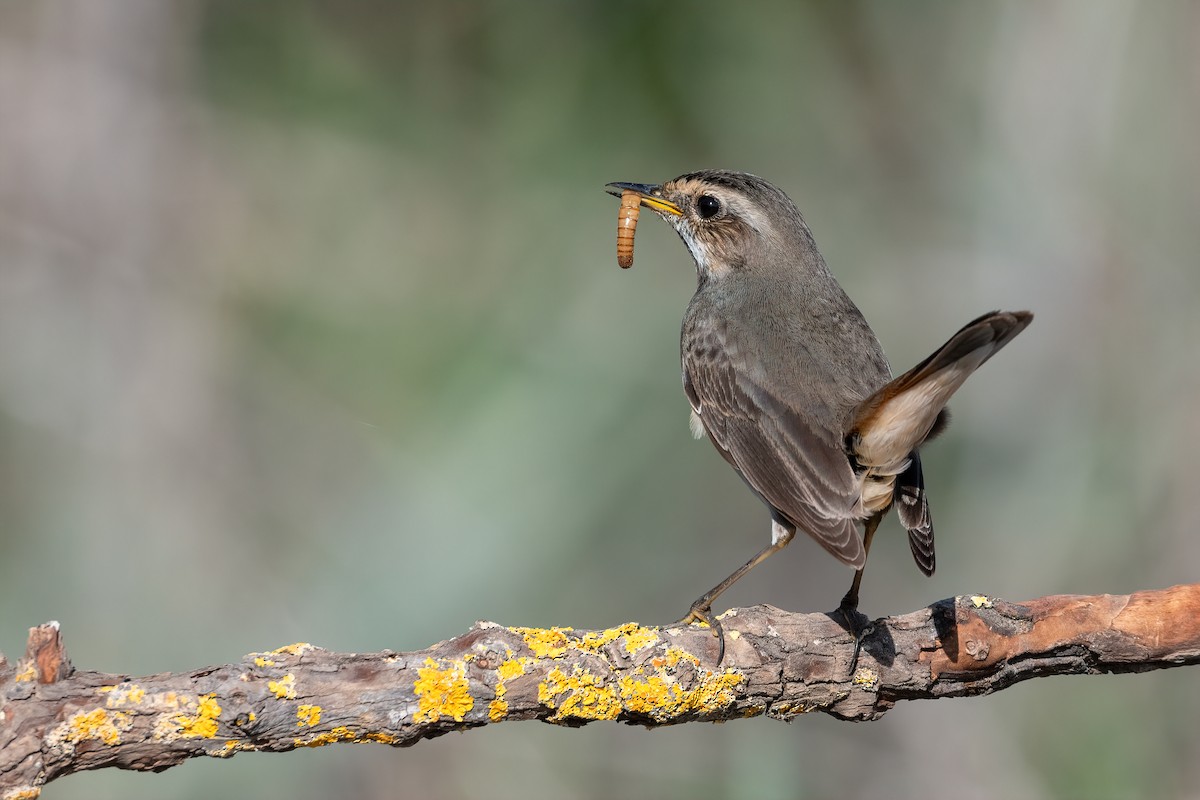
[{"x": 788, "y": 381}]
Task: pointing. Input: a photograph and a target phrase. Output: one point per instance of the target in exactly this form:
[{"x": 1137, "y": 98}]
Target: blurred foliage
[{"x": 310, "y": 330}]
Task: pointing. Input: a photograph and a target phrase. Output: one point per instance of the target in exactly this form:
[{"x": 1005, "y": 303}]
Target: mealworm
[{"x": 627, "y": 217}]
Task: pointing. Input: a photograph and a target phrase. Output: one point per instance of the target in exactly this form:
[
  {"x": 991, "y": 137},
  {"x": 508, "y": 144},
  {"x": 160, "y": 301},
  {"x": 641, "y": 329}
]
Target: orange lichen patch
[
  {"x": 650, "y": 697},
  {"x": 637, "y": 637},
  {"x": 662, "y": 699},
  {"x": 231, "y": 747},
  {"x": 202, "y": 724},
  {"x": 671, "y": 658},
  {"x": 23, "y": 793},
  {"x": 343, "y": 734},
  {"x": 297, "y": 649},
  {"x": 591, "y": 642},
  {"x": 512, "y": 668},
  {"x": 580, "y": 695},
  {"x": 98, "y": 724},
  {"x": 339, "y": 734},
  {"x": 308, "y": 715},
  {"x": 509, "y": 669},
  {"x": 545, "y": 642},
  {"x": 284, "y": 688},
  {"x": 498, "y": 708},
  {"x": 27, "y": 673},
  {"x": 442, "y": 691}
]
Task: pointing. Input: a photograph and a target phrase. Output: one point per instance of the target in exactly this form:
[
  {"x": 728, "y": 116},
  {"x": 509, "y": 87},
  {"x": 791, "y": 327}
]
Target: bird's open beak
[{"x": 651, "y": 196}]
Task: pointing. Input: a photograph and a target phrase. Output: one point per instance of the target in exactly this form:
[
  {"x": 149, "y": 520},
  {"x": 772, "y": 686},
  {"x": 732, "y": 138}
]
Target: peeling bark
[{"x": 55, "y": 720}]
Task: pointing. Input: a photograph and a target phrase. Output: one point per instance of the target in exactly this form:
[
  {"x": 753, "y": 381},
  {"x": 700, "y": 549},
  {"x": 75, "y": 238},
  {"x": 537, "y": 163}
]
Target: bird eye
[{"x": 708, "y": 206}]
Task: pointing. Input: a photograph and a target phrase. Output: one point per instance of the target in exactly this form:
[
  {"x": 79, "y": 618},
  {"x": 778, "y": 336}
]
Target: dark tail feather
[{"x": 912, "y": 506}]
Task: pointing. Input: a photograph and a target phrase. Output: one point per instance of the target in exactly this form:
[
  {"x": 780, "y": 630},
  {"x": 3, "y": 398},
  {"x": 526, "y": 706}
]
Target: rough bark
[{"x": 55, "y": 720}]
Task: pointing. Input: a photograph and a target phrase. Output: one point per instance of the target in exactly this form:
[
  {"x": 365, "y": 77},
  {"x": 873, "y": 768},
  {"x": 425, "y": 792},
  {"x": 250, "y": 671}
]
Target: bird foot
[
  {"x": 701, "y": 612},
  {"x": 860, "y": 628}
]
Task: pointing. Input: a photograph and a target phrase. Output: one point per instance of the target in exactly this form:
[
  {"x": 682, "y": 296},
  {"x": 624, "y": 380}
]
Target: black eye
[{"x": 708, "y": 206}]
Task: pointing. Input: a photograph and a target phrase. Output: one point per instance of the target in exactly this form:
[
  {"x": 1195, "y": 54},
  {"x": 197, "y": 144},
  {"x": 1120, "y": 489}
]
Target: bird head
[{"x": 732, "y": 222}]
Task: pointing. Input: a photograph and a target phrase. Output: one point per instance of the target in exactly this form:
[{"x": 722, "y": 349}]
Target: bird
[{"x": 787, "y": 380}]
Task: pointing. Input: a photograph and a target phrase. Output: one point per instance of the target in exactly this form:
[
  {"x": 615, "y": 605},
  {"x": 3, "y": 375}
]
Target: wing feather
[{"x": 799, "y": 470}]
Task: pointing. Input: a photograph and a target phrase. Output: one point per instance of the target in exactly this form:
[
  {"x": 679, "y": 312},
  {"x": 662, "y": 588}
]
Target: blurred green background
[{"x": 311, "y": 329}]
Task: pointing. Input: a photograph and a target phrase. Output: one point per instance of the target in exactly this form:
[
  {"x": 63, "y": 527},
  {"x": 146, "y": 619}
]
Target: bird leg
[
  {"x": 849, "y": 604},
  {"x": 701, "y": 610}
]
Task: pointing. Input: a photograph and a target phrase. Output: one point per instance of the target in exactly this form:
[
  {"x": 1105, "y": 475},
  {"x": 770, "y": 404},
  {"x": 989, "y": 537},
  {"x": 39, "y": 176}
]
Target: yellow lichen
[
  {"x": 591, "y": 642},
  {"x": 671, "y": 658},
  {"x": 231, "y": 747},
  {"x": 297, "y": 649},
  {"x": 786, "y": 711},
  {"x": 442, "y": 691},
  {"x": 169, "y": 699},
  {"x": 23, "y": 793},
  {"x": 498, "y": 708},
  {"x": 27, "y": 673},
  {"x": 339, "y": 734},
  {"x": 865, "y": 676},
  {"x": 343, "y": 734},
  {"x": 122, "y": 694},
  {"x": 97, "y": 724},
  {"x": 263, "y": 661},
  {"x": 651, "y": 697},
  {"x": 545, "y": 642},
  {"x": 202, "y": 724},
  {"x": 660, "y": 698},
  {"x": 580, "y": 695},
  {"x": 512, "y": 668},
  {"x": 308, "y": 715},
  {"x": 284, "y": 688},
  {"x": 637, "y": 637},
  {"x": 981, "y": 601}
]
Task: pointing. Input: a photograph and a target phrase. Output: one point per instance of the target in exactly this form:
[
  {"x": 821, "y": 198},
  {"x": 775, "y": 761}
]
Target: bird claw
[{"x": 702, "y": 613}]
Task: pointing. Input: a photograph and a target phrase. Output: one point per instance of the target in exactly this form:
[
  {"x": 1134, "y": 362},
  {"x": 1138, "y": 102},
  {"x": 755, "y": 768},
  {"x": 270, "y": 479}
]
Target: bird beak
[{"x": 651, "y": 196}]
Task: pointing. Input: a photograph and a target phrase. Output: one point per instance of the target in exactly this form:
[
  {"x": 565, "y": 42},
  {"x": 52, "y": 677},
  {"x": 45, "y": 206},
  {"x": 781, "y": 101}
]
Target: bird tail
[
  {"x": 912, "y": 506},
  {"x": 903, "y": 413},
  {"x": 890, "y": 425}
]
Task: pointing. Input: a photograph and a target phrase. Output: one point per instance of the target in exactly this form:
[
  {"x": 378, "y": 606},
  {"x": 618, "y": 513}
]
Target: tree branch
[{"x": 55, "y": 721}]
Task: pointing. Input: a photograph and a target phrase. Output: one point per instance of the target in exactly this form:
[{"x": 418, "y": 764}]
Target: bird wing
[{"x": 799, "y": 470}]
